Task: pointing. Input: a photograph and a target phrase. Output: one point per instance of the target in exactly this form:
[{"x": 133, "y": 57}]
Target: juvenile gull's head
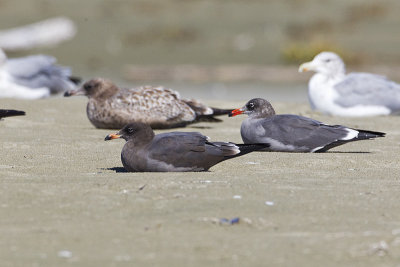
[{"x": 96, "y": 88}]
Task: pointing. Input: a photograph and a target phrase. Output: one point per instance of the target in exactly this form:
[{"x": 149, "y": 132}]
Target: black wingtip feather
[
  {"x": 10, "y": 112},
  {"x": 207, "y": 118},
  {"x": 219, "y": 111},
  {"x": 211, "y": 118},
  {"x": 247, "y": 148},
  {"x": 365, "y": 134}
]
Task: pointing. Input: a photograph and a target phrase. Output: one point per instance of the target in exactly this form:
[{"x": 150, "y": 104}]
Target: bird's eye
[
  {"x": 250, "y": 106},
  {"x": 327, "y": 60},
  {"x": 88, "y": 87},
  {"x": 129, "y": 130}
]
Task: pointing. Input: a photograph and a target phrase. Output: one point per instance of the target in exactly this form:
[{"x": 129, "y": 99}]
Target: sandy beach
[{"x": 65, "y": 201}]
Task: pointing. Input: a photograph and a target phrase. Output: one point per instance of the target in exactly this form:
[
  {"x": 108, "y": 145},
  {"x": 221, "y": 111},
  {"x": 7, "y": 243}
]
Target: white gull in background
[
  {"x": 334, "y": 92},
  {"x": 293, "y": 133},
  {"x": 33, "y": 77},
  {"x": 49, "y": 32}
]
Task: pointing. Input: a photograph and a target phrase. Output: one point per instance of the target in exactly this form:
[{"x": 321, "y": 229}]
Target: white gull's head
[{"x": 327, "y": 63}]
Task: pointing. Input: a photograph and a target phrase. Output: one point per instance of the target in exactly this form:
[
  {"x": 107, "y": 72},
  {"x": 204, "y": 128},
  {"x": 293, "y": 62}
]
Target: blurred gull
[
  {"x": 49, "y": 32},
  {"x": 33, "y": 77},
  {"x": 334, "y": 92}
]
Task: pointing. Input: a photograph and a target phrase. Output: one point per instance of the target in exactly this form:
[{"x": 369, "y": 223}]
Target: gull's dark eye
[
  {"x": 327, "y": 60},
  {"x": 88, "y": 86},
  {"x": 250, "y": 106},
  {"x": 129, "y": 130}
]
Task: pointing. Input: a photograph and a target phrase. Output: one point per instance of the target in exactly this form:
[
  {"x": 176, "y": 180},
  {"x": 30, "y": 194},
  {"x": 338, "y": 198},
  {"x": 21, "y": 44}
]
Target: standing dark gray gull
[
  {"x": 33, "y": 77},
  {"x": 10, "y": 112},
  {"x": 292, "y": 133},
  {"x": 334, "y": 92},
  {"x": 111, "y": 107},
  {"x": 175, "y": 151}
]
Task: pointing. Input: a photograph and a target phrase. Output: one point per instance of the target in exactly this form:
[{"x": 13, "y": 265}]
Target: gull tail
[
  {"x": 211, "y": 117},
  {"x": 247, "y": 148},
  {"x": 365, "y": 134},
  {"x": 207, "y": 118},
  {"x": 219, "y": 111},
  {"x": 204, "y": 112},
  {"x": 362, "y": 135},
  {"x": 10, "y": 112}
]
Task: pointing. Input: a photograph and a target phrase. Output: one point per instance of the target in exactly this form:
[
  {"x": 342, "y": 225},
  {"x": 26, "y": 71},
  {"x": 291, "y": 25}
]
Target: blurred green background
[{"x": 112, "y": 34}]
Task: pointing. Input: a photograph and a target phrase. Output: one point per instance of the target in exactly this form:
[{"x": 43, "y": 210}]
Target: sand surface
[{"x": 64, "y": 203}]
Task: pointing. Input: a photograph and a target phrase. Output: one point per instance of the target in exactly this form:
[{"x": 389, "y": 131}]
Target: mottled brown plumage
[{"x": 112, "y": 107}]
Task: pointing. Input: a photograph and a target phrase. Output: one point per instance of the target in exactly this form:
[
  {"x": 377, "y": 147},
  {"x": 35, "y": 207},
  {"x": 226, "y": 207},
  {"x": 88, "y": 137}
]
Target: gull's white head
[{"x": 327, "y": 63}]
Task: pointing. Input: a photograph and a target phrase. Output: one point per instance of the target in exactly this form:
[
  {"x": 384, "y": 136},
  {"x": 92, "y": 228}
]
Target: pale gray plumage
[
  {"x": 175, "y": 151},
  {"x": 334, "y": 92},
  {"x": 368, "y": 89},
  {"x": 292, "y": 133},
  {"x": 40, "y": 71}
]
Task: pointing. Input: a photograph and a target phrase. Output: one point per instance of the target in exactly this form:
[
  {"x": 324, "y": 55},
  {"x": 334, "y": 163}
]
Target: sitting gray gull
[
  {"x": 175, "y": 151},
  {"x": 33, "y": 77},
  {"x": 111, "y": 107},
  {"x": 10, "y": 113},
  {"x": 292, "y": 133},
  {"x": 334, "y": 92}
]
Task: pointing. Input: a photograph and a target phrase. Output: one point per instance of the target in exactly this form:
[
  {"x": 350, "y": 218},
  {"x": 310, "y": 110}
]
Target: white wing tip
[{"x": 351, "y": 134}]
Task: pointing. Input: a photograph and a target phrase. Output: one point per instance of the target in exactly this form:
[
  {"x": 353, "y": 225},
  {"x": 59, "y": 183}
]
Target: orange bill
[
  {"x": 112, "y": 136},
  {"x": 236, "y": 112}
]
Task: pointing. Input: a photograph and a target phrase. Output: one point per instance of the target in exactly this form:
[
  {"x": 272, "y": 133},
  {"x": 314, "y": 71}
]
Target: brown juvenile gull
[
  {"x": 292, "y": 133},
  {"x": 174, "y": 151},
  {"x": 112, "y": 107},
  {"x": 10, "y": 112}
]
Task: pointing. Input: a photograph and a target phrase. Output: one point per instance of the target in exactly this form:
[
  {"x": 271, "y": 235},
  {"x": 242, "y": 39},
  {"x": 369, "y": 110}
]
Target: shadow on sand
[
  {"x": 347, "y": 152},
  {"x": 200, "y": 127},
  {"x": 116, "y": 169}
]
